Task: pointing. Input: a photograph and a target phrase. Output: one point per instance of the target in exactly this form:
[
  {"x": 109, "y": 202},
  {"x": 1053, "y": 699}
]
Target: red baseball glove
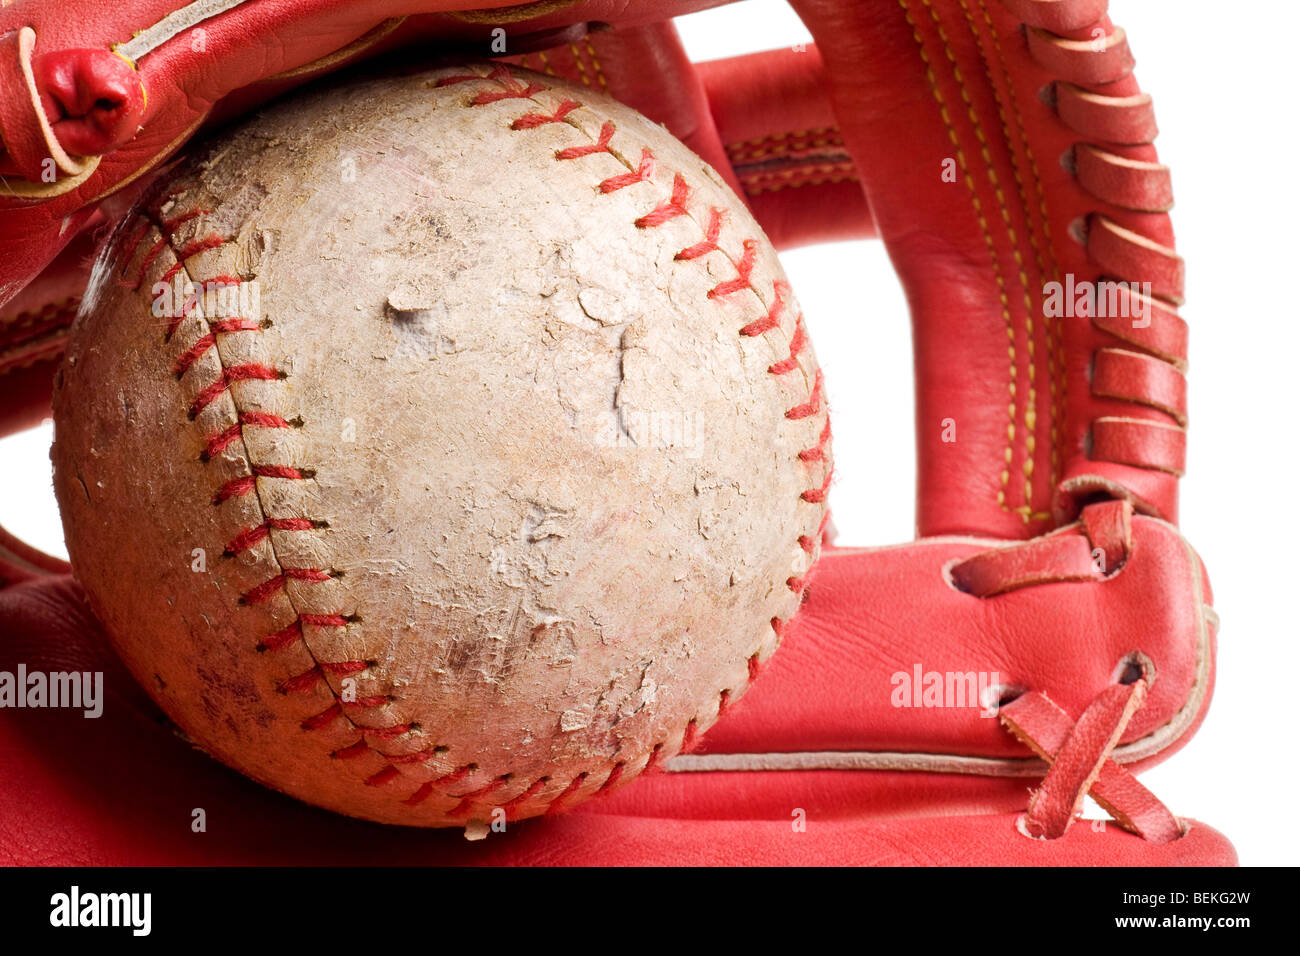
[{"x": 948, "y": 701}]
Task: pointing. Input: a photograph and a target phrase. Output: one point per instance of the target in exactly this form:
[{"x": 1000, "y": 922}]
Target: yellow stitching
[
  {"x": 780, "y": 149},
  {"x": 1031, "y": 404},
  {"x": 1055, "y": 333},
  {"x": 774, "y": 182},
  {"x": 582, "y": 67},
  {"x": 832, "y": 131},
  {"x": 988, "y": 241},
  {"x": 805, "y": 168},
  {"x": 595, "y": 64}
]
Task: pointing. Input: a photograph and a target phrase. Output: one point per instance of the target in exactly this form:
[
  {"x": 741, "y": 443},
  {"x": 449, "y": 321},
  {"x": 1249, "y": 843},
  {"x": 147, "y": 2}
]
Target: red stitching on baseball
[
  {"x": 818, "y": 495},
  {"x": 249, "y": 371},
  {"x": 644, "y": 172},
  {"x": 810, "y": 542},
  {"x": 710, "y": 241},
  {"x": 469, "y": 800},
  {"x": 614, "y": 776},
  {"x": 797, "y": 342},
  {"x": 352, "y": 751},
  {"x": 429, "y": 786},
  {"x": 272, "y": 586},
  {"x": 149, "y": 257},
  {"x": 515, "y": 802},
  {"x": 169, "y": 225},
  {"x": 744, "y": 269},
  {"x": 574, "y": 785},
  {"x": 724, "y": 701},
  {"x": 189, "y": 251},
  {"x": 534, "y": 120},
  {"x": 195, "y": 351},
  {"x": 253, "y": 535},
  {"x": 813, "y": 405},
  {"x": 130, "y": 247},
  {"x": 653, "y": 760},
  {"x": 674, "y": 207},
  {"x": 818, "y": 451},
  {"x": 324, "y": 718},
  {"x": 600, "y": 146},
  {"x": 344, "y": 668},
  {"x": 382, "y": 777},
  {"x": 420, "y": 756},
  {"x": 246, "y": 483},
  {"x": 302, "y": 682},
  {"x": 773, "y": 318},
  {"x": 220, "y": 441},
  {"x": 313, "y": 675},
  {"x": 388, "y": 733},
  {"x": 514, "y": 88},
  {"x": 287, "y": 635}
]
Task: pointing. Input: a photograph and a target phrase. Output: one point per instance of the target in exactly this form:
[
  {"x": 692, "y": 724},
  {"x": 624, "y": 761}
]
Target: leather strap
[
  {"x": 1123, "y": 252},
  {"x": 1129, "y": 183},
  {"x": 1079, "y": 753},
  {"x": 1141, "y": 443},
  {"x": 1141, "y": 379},
  {"x": 1067, "y": 555},
  {"x": 1097, "y": 60},
  {"x": 1129, "y": 120}
]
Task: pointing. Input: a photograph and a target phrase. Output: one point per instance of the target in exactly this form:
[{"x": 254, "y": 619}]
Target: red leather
[
  {"x": 996, "y": 147},
  {"x": 929, "y": 83},
  {"x": 783, "y": 141},
  {"x": 1129, "y": 182},
  {"x": 104, "y": 789},
  {"x": 1129, "y": 120},
  {"x": 1080, "y": 754},
  {"x": 91, "y": 100}
]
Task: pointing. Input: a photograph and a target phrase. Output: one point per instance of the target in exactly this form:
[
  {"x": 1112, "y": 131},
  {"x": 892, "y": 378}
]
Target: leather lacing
[
  {"x": 1087, "y": 58},
  {"x": 1093, "y": 549},
  {"x": 1079, "y": 752},
  {"x": 1069, "y": 40}
]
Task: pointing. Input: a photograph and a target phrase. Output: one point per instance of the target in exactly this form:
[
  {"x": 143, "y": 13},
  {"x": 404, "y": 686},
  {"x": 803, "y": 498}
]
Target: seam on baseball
[
  {"x": 815, "y": 406},
  {"x": 602, "y": 143}
]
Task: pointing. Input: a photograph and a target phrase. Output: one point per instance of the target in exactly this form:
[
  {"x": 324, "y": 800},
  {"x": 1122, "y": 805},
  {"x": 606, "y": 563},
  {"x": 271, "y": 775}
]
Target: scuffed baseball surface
[{"x": 481, "y": 469}]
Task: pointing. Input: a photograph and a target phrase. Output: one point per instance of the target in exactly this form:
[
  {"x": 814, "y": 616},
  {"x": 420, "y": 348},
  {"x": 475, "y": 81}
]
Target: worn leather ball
[{"x": 442, "y": 447}]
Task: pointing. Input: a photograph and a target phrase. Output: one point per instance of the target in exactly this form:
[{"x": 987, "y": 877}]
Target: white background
[{"x": 1224, "y": 88}]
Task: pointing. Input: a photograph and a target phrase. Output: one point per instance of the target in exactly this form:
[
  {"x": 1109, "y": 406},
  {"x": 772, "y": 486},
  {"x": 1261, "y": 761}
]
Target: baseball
[{"x": 442, "y": 448}]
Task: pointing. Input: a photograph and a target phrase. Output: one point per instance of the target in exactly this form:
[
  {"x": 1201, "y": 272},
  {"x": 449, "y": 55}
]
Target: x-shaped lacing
[{"x": 1080, "y": 756}]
